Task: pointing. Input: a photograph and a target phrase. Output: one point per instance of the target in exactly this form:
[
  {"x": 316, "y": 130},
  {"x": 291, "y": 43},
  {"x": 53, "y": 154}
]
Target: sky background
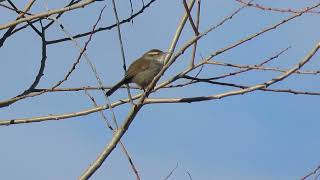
[{"x": 260, "y": 135}]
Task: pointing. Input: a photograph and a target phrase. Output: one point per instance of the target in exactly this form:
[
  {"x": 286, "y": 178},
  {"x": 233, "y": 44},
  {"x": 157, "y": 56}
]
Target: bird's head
[{"x": 155, "y": 54}]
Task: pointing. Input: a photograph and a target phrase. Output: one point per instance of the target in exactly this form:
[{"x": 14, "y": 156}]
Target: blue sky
[{"x": 260, "y": 135}]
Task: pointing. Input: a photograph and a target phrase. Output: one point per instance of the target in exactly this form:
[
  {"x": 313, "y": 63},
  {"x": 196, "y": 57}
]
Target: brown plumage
[{"x": 142, "y": 71}]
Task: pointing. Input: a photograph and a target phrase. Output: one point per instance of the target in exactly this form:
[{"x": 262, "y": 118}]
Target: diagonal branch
[
  {"x": 135, "y": 109},
  {"x": 246, "y": 69},
  {"x": 103, "y": 28},
  {"x": 47, "y": 13},
  {"x": 82, "y": 51},
  {"x": 265, "y": 8},
  {"x": 311, "y": 173},
  {"x": 306, "y": 59},
  {"x": 21, "y": 15},
  {"x": 123, "y": 147},
  {"x": 194, "y": 27}
]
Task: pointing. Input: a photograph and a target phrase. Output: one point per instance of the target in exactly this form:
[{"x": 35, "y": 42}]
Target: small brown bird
[{"x": 143, "y": 70}]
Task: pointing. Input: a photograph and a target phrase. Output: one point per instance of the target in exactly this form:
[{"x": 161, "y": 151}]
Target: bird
[{"x": 142, "y": 71}]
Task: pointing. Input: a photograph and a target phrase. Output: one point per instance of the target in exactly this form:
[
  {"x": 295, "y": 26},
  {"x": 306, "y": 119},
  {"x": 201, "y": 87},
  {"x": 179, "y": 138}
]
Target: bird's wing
[{"x": 137, "y": 66}]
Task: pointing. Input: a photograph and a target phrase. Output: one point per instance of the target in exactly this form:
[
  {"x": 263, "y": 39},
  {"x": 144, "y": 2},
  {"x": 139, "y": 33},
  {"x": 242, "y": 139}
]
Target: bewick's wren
[{"x": 143, "y": 70}]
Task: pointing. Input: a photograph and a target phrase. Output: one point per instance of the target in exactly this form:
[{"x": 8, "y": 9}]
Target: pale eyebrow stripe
[{"x": 153, "y": 53}]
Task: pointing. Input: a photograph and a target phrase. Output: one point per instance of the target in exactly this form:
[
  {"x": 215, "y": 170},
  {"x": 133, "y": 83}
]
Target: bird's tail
[{"x": 115, "y": 87}]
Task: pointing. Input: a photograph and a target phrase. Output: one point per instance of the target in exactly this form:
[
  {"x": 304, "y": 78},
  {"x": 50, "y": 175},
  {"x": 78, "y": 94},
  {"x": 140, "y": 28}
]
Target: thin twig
[
  {"x": 171, "y": 172},
  {"x": 60, "y": 14},
  {"x": 189, "y": 175},
  {"x": 36, "y": 20},
  {"x": 104, "y": 28},
  {"x": 82, "y": 51},
  {"x": 282, "y": 22},
  {"x": 194, "y": 27},
  {"x": 193, "y": 55},
  {"x": 91, "y": 65},
  {"x": 266, "y": 84},
  {"x": 246, "y": 69},
  {"x": 225, "y": 49},
  {"x": 121, "y": 46},
  {"x": 47, "y": 13},
  {"x": 192, "y": 41},
  {"x": 134, "y": 110},
  {"x": 123, "y": 148},
  {"x": 14, "y": 9},
  {"x": 21, "y": 15},
  {"x": 42, "y": 64},
  {"x": 265, "y": 8},
  {"x": 131, "y": 7},
  {"x": 57, "y": 117},
  {"x": 260, "y": 67},
  {"x": 311, "y": 173}
]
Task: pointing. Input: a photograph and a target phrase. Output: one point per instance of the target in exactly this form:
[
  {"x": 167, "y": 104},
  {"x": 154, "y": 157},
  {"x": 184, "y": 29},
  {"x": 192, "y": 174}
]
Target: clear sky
[{"x": 260, "y": 135}]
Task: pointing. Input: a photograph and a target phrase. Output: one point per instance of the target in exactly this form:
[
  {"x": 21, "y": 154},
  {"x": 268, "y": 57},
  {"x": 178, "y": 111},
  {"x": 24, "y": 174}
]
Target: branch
[
  {"x": 194, "y": 27},
  {"x": 260, "y": 67},
  {"x": 234, "y": 44},
  {"x": 193, "y": 55},
  {"x": 82, "y": 51},
  {"x": 311, "y": 173},
  {"x": 135, "y": 109},
  {"x": 242, "y": 70},
  {"x": 36, "y": 20},
  {"x": 171, "y": 172},
  {"x": 21, "y": 15},
  {"x": 38, "y": 119},
  {"x": 123, "y": 147},
  {"x": 284, "y": 21},
  {"x": 103, "y": 28},
  {"x": 123, "y": 101},
  {"x": 42, "y": 64},
  {"x": 243, "y": 91},
  {"x": 196, "y": 80},
  {"x": 47, "y": 13},
  {"x": 264, "y": 8},
  {"x": 121, "y": 43}
]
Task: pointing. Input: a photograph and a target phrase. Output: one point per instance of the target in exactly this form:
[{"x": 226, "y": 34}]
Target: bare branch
[
  {"x": 243, "y": 91},
  {"x": 194, "y": 27},
  {"x": 82, "y": 51},
  {"x": 21, "y": 15},
  {"x": 242, "y": 70},
  {"x": 121, "y": 44},
  {"x": 311, "y": 173},
  {"x": 264, "y": 8},
  {"x": 46, "y": 14},
  {"x": 193, "y": 55},
  {"x": 42, "y": 64},
  {"x": 123, "y": 148},
  {"x": 104, "y": 28},
  {"x": 171, "y": 172},
  {"x": 134, "y": 110},
  {"x": 260, "y": 67}
]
